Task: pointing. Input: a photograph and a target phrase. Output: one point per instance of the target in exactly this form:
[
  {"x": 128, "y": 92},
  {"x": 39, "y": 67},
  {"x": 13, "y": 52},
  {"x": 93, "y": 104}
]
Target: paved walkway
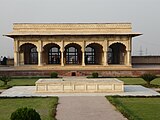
[
  {"x": 86, "y": 108},
  {"x": 29, "y": 91}
]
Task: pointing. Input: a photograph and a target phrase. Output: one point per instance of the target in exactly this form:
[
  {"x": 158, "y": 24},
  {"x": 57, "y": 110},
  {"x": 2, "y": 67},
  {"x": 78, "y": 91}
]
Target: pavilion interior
[{"x": 72, "y": 54}]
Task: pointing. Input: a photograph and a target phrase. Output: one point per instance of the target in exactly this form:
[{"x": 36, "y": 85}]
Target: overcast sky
[{"x": 143, "y": 14}]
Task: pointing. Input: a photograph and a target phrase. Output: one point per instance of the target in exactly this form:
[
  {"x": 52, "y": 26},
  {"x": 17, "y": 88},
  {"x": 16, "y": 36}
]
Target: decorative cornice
[{"x": 71, "y": 29}]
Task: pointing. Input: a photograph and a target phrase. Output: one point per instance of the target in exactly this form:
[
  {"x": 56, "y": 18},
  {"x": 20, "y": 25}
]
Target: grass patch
[
  {"x": 46, "y": 107},
  {"x": 19, "y": 82},
  {"x": 139, "y": 81},
  {"x": 137, "y": 108}
]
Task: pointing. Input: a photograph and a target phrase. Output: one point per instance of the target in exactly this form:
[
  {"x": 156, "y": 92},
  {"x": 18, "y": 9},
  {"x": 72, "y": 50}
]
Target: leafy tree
[
  {"x": 95, "y": 75},
  {"x": 148, "y": 77},
  {"x": 54, "y": 75},
  {"x": 25, "y": 114}
]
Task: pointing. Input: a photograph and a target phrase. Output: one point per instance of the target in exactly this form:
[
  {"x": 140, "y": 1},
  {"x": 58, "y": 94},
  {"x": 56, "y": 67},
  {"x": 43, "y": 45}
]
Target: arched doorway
[
  {"x": 89, "y": 55},
  {"x": 93, "y": 54},
  {"x": 73, "y": 54},
  {"x": 52, "y": 54},
  {"x": 28, "y": 54},
  {"x": 116, "y": 53}
]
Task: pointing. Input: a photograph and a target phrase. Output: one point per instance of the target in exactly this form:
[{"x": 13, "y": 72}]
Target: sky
[{"x": 143, "y": 14}]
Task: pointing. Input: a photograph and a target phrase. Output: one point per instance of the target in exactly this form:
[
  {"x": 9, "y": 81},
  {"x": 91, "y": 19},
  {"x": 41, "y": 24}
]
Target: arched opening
[
  {"x": 73, "y": 54},
  {"x": 52, "y": 54},
  {"x": 93, "y": 54},
  {"x": 116, "y": 53},
  {"x": 28, "y": 54},
  {"x": 89, "y": 55}
]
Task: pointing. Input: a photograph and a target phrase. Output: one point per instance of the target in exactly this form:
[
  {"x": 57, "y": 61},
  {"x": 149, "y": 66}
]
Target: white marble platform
[
  {"x": 30, "y": 91},
  {"x": 79, "y": 85}
]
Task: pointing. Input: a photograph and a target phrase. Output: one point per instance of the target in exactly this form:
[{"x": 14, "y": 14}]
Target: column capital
[{"x": 61, "y": 49}]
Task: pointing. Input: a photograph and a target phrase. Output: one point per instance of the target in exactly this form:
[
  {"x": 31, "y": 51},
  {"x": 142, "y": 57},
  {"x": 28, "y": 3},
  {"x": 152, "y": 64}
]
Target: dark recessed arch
[
  {"x": 29, "y": 54},
  {"x": 52, "y": 54},
  {"x": 73, "y": 54},
  {"x": 93, "y": 54},
  {"x": 116, "y": 53}
]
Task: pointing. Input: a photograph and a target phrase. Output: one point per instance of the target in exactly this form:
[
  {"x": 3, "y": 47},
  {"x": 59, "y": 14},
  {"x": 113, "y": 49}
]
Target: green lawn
[
  {"x": 21, "y": 82},
  {"x": 139, "y": 81},
  {"x": 44, "y": 106},
  {"x": 31, "y": 82},
  {"x": 138, "y": 108}
]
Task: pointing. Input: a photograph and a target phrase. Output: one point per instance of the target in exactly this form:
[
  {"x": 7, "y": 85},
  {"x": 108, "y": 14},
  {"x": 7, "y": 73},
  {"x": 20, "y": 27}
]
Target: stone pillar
[
  {"x": 83, "y": 58},
  {"x": 62, "y": 58},
  {"x": 16, "y": 53},
  {"x": 128, "y": 61},
  {"x": 83, "y": 53},
  {"x": 105, "y": 58},
  {"x": 39, "y": 58},
  {"x": 105, "y": 51},
  {"x": 40, "y": 53},
  {"x": 16, "y": 58},
  {"x": 128, "y": 58},
  {"x": 62, "y": 53}
]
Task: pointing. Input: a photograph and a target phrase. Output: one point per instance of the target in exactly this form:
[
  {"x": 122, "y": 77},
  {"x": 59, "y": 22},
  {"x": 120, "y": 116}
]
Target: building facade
[{"x": 67, "y": 44}]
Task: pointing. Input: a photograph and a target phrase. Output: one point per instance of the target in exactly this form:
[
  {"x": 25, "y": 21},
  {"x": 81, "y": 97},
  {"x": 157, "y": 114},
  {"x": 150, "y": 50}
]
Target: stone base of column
[
  {"x": 40, "y": 65},
  {"x": 129, "y": 65},
  {"x": 83, "y": 65}
]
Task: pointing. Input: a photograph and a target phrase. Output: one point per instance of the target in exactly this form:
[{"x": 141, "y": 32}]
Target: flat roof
[{"x": 26, "y": 29}]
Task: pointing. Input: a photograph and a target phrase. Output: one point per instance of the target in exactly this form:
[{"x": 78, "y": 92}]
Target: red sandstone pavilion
[{"x": 72, "y": 46}]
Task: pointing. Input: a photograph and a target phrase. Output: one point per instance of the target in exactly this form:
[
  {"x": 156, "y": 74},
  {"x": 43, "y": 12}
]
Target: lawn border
[
  {"x": 125, "y": 111},
  {"x": 52, "y": 108}
]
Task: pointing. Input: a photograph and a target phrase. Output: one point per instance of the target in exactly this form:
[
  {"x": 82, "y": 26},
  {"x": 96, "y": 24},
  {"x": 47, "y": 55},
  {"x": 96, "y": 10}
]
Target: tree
[
  {"x": 95, "y": 75},
  {"x": 25, "y": 113},
  {"x": 54, "y": 75},
  {"x": 5, "y": 79},
  {"x": 148, "y": 77}
]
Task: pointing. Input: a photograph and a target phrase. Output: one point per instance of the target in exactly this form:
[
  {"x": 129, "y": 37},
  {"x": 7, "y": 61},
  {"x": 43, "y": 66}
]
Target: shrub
[
  {"x": 25, "y": 114},
  {"x": 95, "y": 75},
  {"x": 148, "y": 77},
  {"x": 5, "y": 79},
  {"x": 54, "y": 75}
]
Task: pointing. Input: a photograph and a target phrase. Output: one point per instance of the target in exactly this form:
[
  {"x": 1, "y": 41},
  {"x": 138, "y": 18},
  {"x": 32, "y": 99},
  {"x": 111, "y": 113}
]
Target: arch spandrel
[
  {"x": 50, "y": 42},
  {"x": 23, "y": 42},
  {"x": 68, "y": 42},
  {"x": 95, "y": 42},
  {"x": 125, "y": 43}
]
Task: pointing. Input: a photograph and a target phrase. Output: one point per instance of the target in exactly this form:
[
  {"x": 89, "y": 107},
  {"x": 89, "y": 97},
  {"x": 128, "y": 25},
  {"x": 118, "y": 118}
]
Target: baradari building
[{"x": 72, "y": 45}]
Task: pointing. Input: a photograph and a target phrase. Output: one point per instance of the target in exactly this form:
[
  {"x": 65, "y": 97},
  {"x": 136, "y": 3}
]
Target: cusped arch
[
  {"x": 28, "y": 54},
  {"x": 94, "y": 54},
  {"x": 28, "y": 43},
  {"x": 51, "y": 45},
  {"x": 121, "y": 43},
  {"x": 73, "y": 44},
  {"x": 98, "y": 43},
  {"x": 117, "y": 53},
  {"x": 51, "y": 53},
  {"x": 47, "y": 43},
  {"x": 73, "y": 53}
]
